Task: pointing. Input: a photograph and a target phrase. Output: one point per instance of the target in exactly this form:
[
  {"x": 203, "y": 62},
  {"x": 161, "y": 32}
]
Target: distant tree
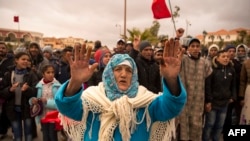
[
  {"x": 176, "y": 13},
  {"x": 242, "y": 35},
  {"x": 26, "y": 44},
  {"x": 204, "y": 33},
  {"x": 212, "y": 38},
  {"x": 149, "y": 34},
  {"x": 154, "y": 29},
  {"x": 1, "y": 38},
  {"x": 248, "y": 40},
  {"x": 221, "y": 42},
  {"x": 9, "y": 46}
]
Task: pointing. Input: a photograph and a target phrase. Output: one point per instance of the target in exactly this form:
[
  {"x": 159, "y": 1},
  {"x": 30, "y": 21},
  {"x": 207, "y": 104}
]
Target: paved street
[{"x": 9, "y": 137}]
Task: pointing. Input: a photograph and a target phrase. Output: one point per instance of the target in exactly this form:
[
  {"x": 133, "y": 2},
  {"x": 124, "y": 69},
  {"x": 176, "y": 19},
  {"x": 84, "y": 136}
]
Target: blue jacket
[
  {"x": 50, "y": 102},
  {"x": 163, "y": 108}
]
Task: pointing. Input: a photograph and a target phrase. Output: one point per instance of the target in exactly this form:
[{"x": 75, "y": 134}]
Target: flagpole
[
  {"x": 18, "y": 32},
  {"x": 172, "y": 15}
]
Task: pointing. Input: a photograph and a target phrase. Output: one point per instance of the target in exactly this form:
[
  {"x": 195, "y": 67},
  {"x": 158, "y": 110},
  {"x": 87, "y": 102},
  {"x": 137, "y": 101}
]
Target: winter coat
[
  {"x": 31, "y": 79},
  {"x": 244, "y": 77},
  {"x": 148, "y": 72},
  {"x": 62, "y": 71},
  {"x": 4, "y": 64},
  {"x": 220, "y": 86},
  {"x": 51, "y": 105},
  {"x": 96, "y": 78}
]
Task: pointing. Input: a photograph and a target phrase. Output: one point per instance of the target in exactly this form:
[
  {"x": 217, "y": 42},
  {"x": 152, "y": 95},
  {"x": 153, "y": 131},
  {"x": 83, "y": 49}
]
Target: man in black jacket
[
  {"x": 148, "y": 70},
  {"x": 5, "y": 62}
]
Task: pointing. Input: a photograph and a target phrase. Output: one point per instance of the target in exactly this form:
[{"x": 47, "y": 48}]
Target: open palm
[
  {"x": 80, "y": 69},
  {"x": 171, "y": 63}
]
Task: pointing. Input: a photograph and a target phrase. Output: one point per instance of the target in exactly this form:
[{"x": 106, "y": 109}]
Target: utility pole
[{"x": 125, "y": 20}]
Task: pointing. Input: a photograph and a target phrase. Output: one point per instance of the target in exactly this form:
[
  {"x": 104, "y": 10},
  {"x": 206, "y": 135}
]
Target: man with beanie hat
[
  {"x": 37, "y": 62},
  {"x": 48, "y": 53},
  {"x": 148, "y": 70},
  {"x": 37, "y": 58},
  {"x": 212, "y": 51}
]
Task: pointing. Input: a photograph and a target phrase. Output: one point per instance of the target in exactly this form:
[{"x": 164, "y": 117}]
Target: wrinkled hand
[
  {"x": 80, "y": 69},
  {"x": 171, "y": 63}
]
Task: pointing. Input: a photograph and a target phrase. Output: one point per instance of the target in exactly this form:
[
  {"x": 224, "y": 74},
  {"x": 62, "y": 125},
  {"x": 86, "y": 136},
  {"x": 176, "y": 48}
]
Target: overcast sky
[{"x": 97, "y": 19}]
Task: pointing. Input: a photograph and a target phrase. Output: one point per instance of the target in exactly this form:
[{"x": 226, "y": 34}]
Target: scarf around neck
[{"x": 120, "y": 113}]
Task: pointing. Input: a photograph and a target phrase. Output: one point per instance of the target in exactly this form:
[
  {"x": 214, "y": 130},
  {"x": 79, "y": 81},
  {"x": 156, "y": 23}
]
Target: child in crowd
[
  {"x": 220, "y": 90},
  {"x": 18, "y": 87},
  {"x": 102, "y": 57},
  {"x": 46, "y": 89}
]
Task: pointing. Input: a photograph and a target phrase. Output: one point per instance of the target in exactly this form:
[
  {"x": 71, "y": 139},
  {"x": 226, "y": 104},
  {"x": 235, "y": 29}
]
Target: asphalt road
[{"x": 39, "y": 138}]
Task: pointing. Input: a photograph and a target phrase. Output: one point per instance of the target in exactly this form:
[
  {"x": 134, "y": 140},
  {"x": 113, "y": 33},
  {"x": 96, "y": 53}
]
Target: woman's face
[
  {"x": 49, "y": 74},
  {"x": 22, "y": 62},
  {"x": 106, "y": 58},
  {"x": 123, "y": 76}
]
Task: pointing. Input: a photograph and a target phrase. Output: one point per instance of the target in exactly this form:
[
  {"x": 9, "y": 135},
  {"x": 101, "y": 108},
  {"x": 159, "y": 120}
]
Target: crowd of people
[{"x": 138, "y": 91}]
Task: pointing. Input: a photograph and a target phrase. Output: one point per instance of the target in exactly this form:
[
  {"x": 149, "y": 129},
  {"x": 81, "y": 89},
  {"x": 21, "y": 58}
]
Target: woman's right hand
[{"x": 80, "y": 69}]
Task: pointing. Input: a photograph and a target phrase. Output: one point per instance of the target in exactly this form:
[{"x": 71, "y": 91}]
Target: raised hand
[
  {"x": 172, "y": 55},
  {"x": 179, "y": 32},
  {"x": 136, "y": 42},
  {"x": 80, "y": 69},
  {"x": 171, "y": 63}
]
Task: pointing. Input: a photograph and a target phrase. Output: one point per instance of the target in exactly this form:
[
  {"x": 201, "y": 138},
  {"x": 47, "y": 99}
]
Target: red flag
[
  {"x": 16, "y": 19},
  {"x": 160, "y": 9}
]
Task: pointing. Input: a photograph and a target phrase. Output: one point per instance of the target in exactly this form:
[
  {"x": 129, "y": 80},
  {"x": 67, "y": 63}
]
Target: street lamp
[
  {"x": 187, "y": 24},
  {"x": 119, "y": 26}
]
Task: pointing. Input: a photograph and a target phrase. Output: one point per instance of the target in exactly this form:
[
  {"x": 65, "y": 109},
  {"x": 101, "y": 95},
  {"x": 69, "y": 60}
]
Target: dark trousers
[
  {"x": 49, "y": 132},
  {"x": 34, "y": 131},
  {"x": 4, "y": 121},
  {"x": 229, "y": 120}
]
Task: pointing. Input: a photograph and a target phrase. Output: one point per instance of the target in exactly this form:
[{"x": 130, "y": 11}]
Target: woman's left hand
[{"x": 171, "y": 63}]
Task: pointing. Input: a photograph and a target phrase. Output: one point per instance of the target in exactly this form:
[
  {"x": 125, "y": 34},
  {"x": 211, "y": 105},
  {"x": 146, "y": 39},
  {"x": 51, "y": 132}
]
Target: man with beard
[
  {"x": 37, "y": 58},
  {"x": 5, "y": 62},
  {"x": 37, "y": 63}
]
